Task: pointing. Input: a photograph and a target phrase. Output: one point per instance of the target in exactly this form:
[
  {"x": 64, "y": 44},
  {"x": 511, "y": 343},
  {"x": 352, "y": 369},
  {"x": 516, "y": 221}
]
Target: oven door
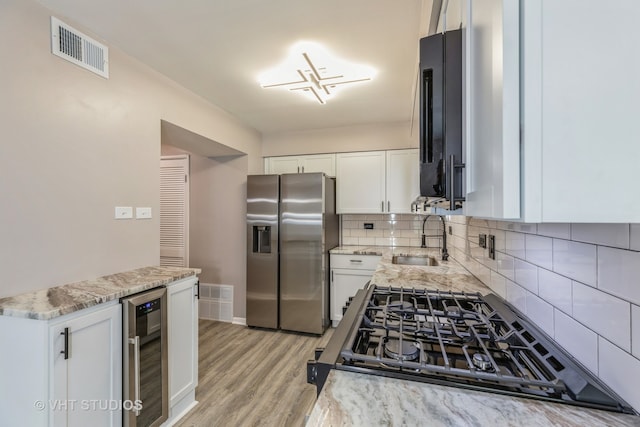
[{"x": 145, "y": 364}]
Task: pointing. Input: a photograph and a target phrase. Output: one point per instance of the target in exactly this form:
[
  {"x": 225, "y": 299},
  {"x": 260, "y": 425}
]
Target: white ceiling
[{"x": 217, "y": 49}]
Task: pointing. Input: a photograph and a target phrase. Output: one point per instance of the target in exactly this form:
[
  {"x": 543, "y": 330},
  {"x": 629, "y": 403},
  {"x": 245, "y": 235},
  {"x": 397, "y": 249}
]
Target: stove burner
[
  {"x": 402, "y": 308},
  {"x": 482, "y": 362},
  {"x": 453, "y": 311},
  {"x": 409, "y": 350}
]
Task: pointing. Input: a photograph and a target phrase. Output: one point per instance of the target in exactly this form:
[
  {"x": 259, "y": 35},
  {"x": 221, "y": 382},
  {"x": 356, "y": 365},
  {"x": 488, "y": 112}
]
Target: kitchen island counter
[
  {"x": 353, "y": 399},
  {"x": 46, "y": 304}
]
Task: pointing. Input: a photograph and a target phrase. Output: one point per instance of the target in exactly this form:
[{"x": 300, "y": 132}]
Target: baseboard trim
[{"x": 239, "y": 321}]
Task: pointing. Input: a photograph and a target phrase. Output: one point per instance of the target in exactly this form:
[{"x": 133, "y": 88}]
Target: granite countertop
[
  {"x": 447, "y": 276},
  {"x": 345, "y": 397},
  {"x": 343, "y": 402},
  {"x": 45, "y": 304}
]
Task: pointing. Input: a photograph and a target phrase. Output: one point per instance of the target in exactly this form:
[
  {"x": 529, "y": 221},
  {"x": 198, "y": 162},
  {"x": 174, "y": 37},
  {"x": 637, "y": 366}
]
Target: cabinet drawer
[{"x": 358, "y": 262}]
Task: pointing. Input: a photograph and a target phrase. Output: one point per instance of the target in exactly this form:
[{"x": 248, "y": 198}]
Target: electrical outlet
[
  {"x": 492, "y": 246},
  {"x": 368, "y": 226},
  {"x": 124, "y": 212},
  {"x": 143, "y": 213}
]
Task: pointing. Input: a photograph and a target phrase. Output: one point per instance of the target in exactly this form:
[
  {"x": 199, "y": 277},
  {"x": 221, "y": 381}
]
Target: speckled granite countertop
[
  {"x": 447, "y": 276},
  {"x": 342, "y": 402},
  {"x": 49, "y": 303},
  {"x": 344, "y": 397}
]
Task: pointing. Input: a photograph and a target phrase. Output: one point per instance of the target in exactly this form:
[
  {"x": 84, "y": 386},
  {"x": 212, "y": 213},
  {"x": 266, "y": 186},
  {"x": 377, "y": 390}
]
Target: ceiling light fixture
[{"x": 309, "y": 69}]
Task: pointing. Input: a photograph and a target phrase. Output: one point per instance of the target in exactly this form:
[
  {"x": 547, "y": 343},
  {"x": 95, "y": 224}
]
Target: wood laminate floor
[{"x": 252, "y": 377}]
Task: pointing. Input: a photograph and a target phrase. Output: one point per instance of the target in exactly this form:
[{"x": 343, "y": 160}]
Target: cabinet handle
[
  {"x": 452, "y": 182},
  {"x": 136, "y": 370},
  {"x": 382, "y": 206},
  {"x": 355, "y": 260},
  {"x": 198, "y": 289},
  {"x": 66, "y": 343},
  {"x": 303, "y": 169},
  {"x": 298, "y": 169},
  {"x": 332, "y": 276},
  {"x": 388, "y": 206}
]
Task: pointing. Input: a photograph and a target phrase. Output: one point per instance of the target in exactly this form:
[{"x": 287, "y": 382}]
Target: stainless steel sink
[{"x": 414, "y": 260}]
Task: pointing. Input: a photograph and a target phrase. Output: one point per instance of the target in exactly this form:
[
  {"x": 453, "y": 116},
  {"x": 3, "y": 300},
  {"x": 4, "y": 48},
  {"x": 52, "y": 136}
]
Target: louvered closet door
[{"x": 174, "y": 211}]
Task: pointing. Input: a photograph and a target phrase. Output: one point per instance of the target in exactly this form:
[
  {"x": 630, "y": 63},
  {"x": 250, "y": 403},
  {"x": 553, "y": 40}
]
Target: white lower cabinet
[
  {"x": 348, "y": 274},
  {"x": 67, "y": 371},
  {"x": 62, "y": 372},
  {"x": 183, "y": 346},
  {"x": 86, "y": 368}
]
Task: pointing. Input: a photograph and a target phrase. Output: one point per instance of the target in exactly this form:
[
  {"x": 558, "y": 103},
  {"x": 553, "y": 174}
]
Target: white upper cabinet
[
  {"x": 402, "y": 179},
  {"x": 301, "y": 164},
  {"x": 360, "y": 182},
  {"x": 493, "y": 111},
  {"x": 377, "y": 181},
  {"x": 580, "y": 111},
  {"x": 573, "y": 132}
]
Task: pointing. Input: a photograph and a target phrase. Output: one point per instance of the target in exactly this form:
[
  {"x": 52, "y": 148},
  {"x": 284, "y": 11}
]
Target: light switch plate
[
  {"x": 124, "y": 212},
  {"x": 143, "y": 213}
]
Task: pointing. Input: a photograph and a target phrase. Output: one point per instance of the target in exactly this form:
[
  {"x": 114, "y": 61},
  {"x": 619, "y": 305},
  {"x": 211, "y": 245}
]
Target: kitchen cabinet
[
  {"x": 348, "y": 274},
  {"x": 301, "y": 164},
  {"x": 402, "y": 179},
  {"x": 67, "y": 371},
  {"x": 41, "y": 386},
  {"x": 377, "y": 181},
  {"x": 551, "y": 110},
  {"x": 182, "y": 320},
  {"x": 86, "y": 368},
  {"x": 493, "y": 118}
]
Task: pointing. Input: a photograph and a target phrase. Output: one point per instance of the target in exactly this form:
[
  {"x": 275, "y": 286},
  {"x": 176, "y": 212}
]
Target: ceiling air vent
[{"x": 70, "y": 44}]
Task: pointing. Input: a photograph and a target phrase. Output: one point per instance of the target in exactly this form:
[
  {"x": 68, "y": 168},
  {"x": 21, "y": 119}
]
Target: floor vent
[
  {"x": 216, "y": 302},
  {"x": 72, "y": 45}
]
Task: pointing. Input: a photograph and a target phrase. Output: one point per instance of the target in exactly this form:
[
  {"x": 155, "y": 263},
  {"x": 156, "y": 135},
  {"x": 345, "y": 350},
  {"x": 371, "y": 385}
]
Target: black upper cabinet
[{"x": 440, "y": 114}]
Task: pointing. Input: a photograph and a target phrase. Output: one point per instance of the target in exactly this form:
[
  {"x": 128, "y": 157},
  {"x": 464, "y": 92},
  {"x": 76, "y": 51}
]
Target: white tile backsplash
[
  {"x": 635, "y": 330},
  {"x": 577, "y": 339},
  {"x": 634, "y": 237},
  {"x": 514, "y": 244},
  {"x": 561, "y": 231},
  {"x": 539, "y": 250},
  {"x": 517, "y": 296},
  {"x": 541, "y": 312},
  {"x": 619, "y": 273},
  {"x": 555, "y": 289},
  {"x": 605, "y": 314},
  {"x": 575, "y": 260},
  {"x": 506, "y": 265},
  {"x": 527, "y": 275},
  {"x": 616, "y": 235},
  {"x": 620, "y": 371},
  {"x": 498, "y": 284}
]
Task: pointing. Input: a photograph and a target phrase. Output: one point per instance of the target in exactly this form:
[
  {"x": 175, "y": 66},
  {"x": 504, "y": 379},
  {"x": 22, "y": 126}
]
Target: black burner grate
[{"x": 465, "y": 339}]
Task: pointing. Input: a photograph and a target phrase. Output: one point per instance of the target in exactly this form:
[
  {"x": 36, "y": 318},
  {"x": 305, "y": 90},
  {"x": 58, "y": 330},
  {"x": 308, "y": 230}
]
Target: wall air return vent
[{"x": 70, "y": 44}]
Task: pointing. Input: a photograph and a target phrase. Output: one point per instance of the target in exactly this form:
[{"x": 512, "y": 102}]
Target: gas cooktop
[{"x": 459, "y": 339}]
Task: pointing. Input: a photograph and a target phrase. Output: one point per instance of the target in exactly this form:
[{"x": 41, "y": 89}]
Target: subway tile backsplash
[{"x": 580, "y": 283}]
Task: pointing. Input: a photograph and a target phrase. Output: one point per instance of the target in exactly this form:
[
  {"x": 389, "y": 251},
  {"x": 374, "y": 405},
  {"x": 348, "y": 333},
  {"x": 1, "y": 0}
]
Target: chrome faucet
[{"x": 445, "y": 253}]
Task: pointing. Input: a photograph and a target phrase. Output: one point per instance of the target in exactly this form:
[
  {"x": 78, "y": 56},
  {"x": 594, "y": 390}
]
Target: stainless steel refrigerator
[{"x": 291, "y": 226}]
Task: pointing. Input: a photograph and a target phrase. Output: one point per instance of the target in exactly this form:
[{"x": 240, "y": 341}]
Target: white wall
[
  {"x": 74, "y": 146},
  {"x": 383, "y": 136}
]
